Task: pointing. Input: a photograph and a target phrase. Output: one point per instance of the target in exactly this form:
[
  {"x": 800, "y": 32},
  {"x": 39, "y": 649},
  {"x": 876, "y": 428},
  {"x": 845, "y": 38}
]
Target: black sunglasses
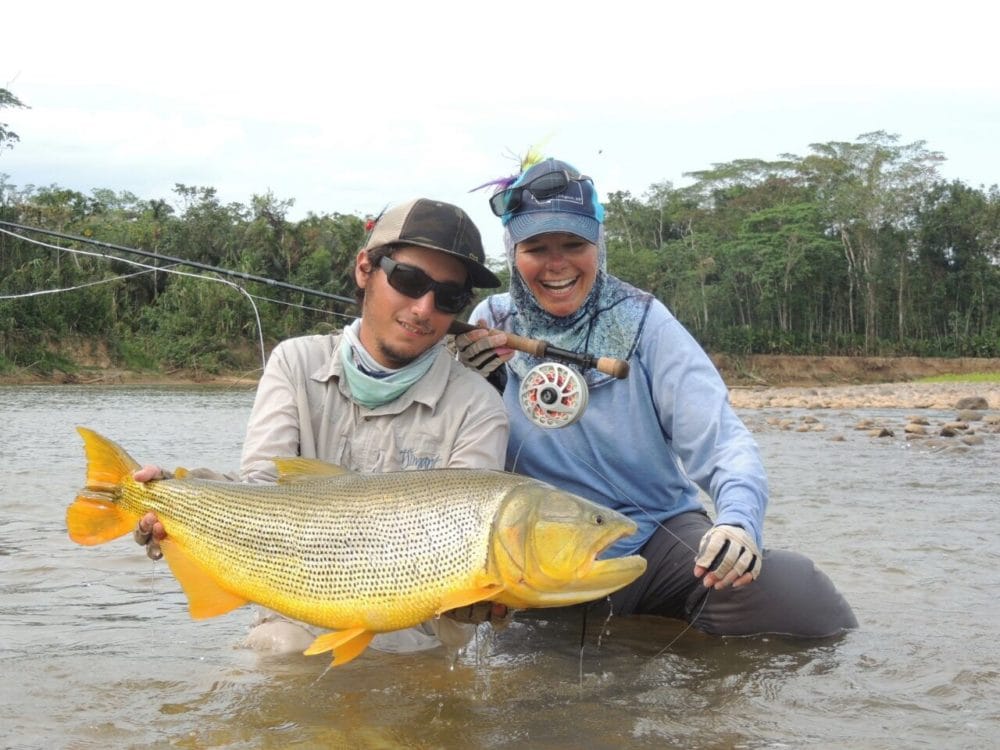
[
  {"x": 542, "y": 188},
  {"x": 449, "y": 297}
]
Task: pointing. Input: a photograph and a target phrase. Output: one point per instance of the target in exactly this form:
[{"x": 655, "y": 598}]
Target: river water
[{"x": 97, "y": 649}]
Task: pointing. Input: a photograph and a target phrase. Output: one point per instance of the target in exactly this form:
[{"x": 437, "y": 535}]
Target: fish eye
[{"x": 599, "y": 519}]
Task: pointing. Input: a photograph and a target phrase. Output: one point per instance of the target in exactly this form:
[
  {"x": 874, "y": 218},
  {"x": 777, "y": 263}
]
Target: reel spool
[{"x": 553, "y": 395}]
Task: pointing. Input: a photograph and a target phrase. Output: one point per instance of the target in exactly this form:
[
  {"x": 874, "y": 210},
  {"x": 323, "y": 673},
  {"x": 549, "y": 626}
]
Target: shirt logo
[{"x": 410, "y": 460}]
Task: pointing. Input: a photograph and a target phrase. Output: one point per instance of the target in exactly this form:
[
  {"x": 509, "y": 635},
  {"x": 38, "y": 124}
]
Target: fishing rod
[
  {"x": 184, "y": 262},
  {"x": 609, "y": 366},
  {"x": 617, "y": 368}
]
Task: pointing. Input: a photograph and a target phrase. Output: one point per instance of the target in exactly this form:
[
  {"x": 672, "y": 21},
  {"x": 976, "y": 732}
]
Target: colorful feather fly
[{"x": 531, "y": 157}]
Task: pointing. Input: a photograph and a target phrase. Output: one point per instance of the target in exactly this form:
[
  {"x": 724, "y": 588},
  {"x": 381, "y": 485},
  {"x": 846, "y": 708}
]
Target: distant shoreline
[{"x": 757, "y": 381}]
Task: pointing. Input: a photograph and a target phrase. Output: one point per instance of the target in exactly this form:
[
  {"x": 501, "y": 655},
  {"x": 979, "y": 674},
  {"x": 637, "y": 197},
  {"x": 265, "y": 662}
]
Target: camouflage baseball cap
[{"x": 439, "y": 226}]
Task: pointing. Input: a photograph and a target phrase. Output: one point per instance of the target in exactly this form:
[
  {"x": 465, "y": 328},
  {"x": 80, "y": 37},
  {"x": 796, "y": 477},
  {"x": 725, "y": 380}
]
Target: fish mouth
[
  {"x": 613, "y": 573},
  {"x": 601, "y": 578},
  {"x": 606, "y": 575}
]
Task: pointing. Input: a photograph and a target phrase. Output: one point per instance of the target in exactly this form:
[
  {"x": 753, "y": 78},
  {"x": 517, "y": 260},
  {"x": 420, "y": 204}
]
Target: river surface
[{"x": 97, "y": 649}]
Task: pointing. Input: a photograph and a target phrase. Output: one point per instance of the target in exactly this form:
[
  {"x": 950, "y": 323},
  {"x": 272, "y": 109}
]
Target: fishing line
[
  {"x": 617, "y": 490},
  {"x": 149, "y": 268},
  {"x": 690, "y": 625},
  {"x": 625, "y": 496},
  {"x": 167, "y": 269},
  {"x": 184, "y": 262},
  {"x": 40, "y": 292},
  {"x": 691, "y": 622}
]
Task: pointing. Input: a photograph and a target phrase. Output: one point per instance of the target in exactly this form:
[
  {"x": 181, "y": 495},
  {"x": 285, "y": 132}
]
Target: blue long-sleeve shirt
[{"x": 645, "y": 444}]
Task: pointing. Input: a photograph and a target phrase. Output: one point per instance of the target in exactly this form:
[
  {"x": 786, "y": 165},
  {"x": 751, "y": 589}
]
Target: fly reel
[{"x": 553, "y": 395}]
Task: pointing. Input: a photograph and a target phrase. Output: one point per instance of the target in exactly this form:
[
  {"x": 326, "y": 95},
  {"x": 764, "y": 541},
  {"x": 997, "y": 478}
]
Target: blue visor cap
[{"x": 575, "y": 210}]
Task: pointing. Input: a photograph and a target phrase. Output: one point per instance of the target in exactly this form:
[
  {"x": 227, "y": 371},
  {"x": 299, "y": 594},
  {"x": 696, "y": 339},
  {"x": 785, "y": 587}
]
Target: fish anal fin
[
  {"x": 206, "y": 598},
  {"x": 291, "y": 470},
  {"x": 466, "y": 597},
  {"x": 92, "y": 520},
  {"x": 345, "y": 644}
]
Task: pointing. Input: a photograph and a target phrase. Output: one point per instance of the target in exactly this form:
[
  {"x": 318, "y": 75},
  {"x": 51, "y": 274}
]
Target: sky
[{"x": 349, "y": 108}]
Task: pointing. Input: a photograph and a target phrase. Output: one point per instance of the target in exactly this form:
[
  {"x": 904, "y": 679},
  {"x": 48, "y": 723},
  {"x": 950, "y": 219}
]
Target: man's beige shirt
[{"x": 450, "y": 418}]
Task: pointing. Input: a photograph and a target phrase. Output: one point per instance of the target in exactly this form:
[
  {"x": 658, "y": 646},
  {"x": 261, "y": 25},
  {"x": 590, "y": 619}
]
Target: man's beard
[{"x": 396, "y": 358}]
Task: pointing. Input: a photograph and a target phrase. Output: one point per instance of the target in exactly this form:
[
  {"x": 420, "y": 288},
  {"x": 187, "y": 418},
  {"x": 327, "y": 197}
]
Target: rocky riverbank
[
  {"x": 855, "y": 382},
  {"x": 755, "y": 382},
  {"x": 940, "y": 396}
]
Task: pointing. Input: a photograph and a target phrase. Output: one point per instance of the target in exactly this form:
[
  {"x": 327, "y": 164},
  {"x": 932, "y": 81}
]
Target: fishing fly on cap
[{"x": 530, "y": 159}]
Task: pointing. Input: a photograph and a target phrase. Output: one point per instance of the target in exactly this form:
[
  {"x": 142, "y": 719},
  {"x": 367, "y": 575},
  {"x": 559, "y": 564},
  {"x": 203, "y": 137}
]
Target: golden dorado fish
[{"x": 360, "y": 553}]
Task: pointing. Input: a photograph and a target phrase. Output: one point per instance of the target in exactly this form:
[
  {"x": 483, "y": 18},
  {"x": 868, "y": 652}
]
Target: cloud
[{"x": 348, "y": 107}]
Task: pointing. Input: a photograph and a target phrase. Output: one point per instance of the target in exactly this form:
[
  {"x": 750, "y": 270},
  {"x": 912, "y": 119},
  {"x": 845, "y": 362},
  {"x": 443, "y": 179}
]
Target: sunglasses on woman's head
[
  {"x": 542, "y": 188},
  {"x": 411, "y": 281}
]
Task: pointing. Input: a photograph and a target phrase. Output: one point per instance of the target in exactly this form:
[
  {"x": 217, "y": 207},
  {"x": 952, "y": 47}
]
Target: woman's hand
[{"x": 727, "y": 556}]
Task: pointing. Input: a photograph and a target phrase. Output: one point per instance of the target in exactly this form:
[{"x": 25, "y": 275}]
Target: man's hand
[
  {"x": 149, "y": 473},
  {"x": 727, "y": 556},
  {"x": 497, "y": 614},
  {"x": 149, "y": 532},
  {"x": 481, "y": 350}
]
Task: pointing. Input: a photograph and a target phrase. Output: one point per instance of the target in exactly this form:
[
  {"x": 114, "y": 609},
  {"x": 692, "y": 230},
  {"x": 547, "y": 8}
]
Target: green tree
[
  {"x": 958, "y": 254},
  {"x": 7, "y": 136},
  {"x": 867, "y": 189}
]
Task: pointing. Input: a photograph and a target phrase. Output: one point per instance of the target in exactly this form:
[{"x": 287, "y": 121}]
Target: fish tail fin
[
  {"x": 345, "y": 644},
  {"x": 95, "y": 517},
  {"x": 108, "y": 465}
]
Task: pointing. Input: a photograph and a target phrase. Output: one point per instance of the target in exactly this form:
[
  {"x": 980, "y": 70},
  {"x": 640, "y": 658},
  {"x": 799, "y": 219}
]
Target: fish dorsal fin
[
  {"x": 206, "y": 598},
  {"x": 291, "y": 470},
  {"x": 181, "y": 473},
  {"x": 345, "y": 644}
]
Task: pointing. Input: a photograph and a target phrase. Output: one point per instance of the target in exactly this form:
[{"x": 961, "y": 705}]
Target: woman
[{"x": 645, "y": 444}]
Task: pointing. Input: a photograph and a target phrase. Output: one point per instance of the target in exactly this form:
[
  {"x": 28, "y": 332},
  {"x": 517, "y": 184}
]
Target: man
[{"x": 384, "y": 394}]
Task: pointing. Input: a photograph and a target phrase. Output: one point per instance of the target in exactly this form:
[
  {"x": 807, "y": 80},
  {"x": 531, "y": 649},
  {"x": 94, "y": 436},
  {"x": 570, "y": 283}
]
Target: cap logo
[{"x": 566, "y": 197}]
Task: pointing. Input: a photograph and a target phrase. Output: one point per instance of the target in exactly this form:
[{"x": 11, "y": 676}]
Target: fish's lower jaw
[
  {"x": 602, "y": 578},
  {"x": 548, "y": 599},
  {"x": 607, "y": 576}
]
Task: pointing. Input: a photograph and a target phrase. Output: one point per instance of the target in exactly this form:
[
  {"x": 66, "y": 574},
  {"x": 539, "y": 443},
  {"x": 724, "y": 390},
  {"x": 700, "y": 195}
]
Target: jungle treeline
[{"x": 852, "y": 248}]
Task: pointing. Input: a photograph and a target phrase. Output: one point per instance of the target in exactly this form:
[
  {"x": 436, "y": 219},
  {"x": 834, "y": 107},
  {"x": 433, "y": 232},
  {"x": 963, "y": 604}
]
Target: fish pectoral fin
[
  {"x": 206, "y": 598},
  {"x": 345, "y": 644},
  {"x": 465, "y": 597},
  {"x": 291, "y": 470},
  {"x": 91, "y": 519}
]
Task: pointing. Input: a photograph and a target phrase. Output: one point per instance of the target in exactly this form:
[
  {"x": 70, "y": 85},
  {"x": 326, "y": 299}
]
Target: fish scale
[{"x": 420, "y": 536}]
